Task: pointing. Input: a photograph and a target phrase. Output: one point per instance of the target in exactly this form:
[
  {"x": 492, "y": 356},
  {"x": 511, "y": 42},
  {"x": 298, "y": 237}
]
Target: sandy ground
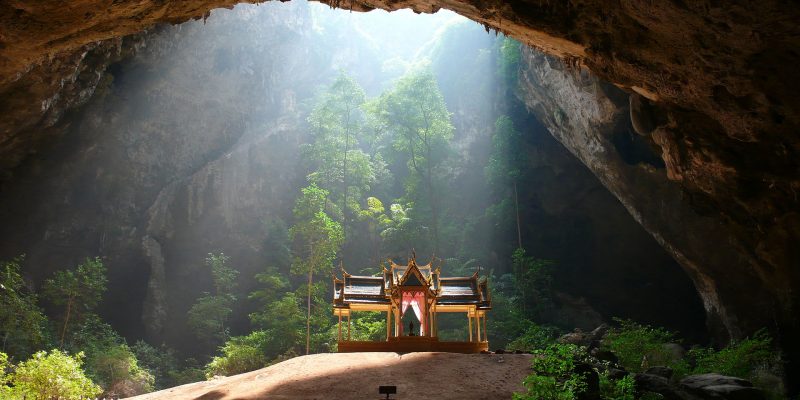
[{"x": 357, "y": 376}]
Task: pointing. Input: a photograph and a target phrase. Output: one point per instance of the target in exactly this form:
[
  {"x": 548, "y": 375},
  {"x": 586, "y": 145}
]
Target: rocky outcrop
[
  {"x": 743, "y": 289},
  {"x": 425, "y": 376}
]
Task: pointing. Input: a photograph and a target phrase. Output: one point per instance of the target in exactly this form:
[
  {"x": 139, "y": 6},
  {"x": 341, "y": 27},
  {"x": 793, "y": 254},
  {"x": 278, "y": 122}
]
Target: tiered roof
[{"x": 377, "y": 290}]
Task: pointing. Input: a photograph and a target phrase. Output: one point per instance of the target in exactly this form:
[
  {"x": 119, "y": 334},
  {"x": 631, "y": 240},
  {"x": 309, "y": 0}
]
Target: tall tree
[
  {"x": 78, "y": 291},
  {"x": 209, "y": 313},
  {"x": 414, "y": 112},
  {"x": 317, "y": 239},
  {"x": 342, "y": 168},
  {"x": 22, "y": 323},
  {"x": 506, "y": 163}
]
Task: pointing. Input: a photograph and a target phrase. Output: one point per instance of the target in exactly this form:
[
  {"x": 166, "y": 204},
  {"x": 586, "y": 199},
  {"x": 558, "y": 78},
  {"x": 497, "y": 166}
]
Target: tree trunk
[
  {"x": 308, "y": 314},
  {"x": 66, "y": 321},
  {"x": 516, "y": 207},
  {"x": 432, "y": 197}
]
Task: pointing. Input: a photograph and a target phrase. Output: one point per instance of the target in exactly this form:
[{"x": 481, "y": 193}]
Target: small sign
[{"x": 387, "y": 390}]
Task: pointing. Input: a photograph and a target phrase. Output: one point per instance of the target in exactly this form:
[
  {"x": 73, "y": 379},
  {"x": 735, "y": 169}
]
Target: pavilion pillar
[
  {"x": 340, "y": 324},
  {"x": 469, "y": 318},
  {"x": 349, "y": 322},
  {"x": 485, "y": 338},
  {"x": 478, "y": 326},
  {"x": 388, "y": 322}
]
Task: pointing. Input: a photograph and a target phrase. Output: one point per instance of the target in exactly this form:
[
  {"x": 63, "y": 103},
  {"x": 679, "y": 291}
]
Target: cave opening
[{"x": 199, "y": 139}]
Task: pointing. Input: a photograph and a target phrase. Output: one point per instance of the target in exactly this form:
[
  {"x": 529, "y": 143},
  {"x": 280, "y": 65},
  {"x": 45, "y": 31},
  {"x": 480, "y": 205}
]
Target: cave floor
[{"x": 358, "y": 375}]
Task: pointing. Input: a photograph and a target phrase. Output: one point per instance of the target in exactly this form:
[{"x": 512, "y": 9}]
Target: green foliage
[
  {"x": 507, "y": 158},
  {"x": 368, "y": 326},
  {"x": 639, "y": 347},
  {"x": 415, "y": 116},
  {"x": 620, "y": 389},
  {"x": 119, "y": 372},
  {"x": 22, "y": 323},
  {"x": 210, "y": 312},
  {"x": 553, "y": 375},
  {"x": 339, "y": 165},
  {"x": 535, "y": 337},
  {"x": 109, "y": 361},
  {"x": 532, "y": 283},
  {"x": 224, "y": 276},
  {"x": 318, "y": 237},
  {"x": 240, "y": 354},
  {"x": 741, "y": 358},
  {"x": 207, "y": 317},
  {"x": 78, "y": 291},
  {"x": 190, "y": 373},
  {"x": 5, "y": 390},
  {"x": 160, "y": 362},
  {"x": 53, "y": 375},
  {"x": 509, "y": 60}
]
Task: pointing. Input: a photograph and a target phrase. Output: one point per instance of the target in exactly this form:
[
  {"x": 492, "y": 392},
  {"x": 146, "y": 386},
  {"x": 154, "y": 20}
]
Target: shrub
[
  {"x": 160, "y": 362},
  {"x": 639, "y": 347},
  {"x": 535, "y": 337},
  {"x": 23, "y": 326},
  {"x": 5, "y": 391},
  {"x": 621, "y": 389},
  {"x": 56, "y": 375},
  {"x": 190, "y": 373},
  {"x": 118, "y": 370},
  {"x": 742, "y": 359},
  {"x": 553, "y": 376},
  {"x": 109, "y": 360},
  {"x": 240, "y": 354}
]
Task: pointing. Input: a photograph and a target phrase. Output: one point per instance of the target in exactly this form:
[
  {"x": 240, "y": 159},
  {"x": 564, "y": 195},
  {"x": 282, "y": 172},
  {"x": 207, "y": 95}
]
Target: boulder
[
  {"x": 604, "y": 355},
  {"x": 665, "y": 372},
  {"x": 616, "y": 374},
  {"x": 704, "y": 380},
  {"x": 658, "y": 384},
  {"x": 733, "y": 392},
  {"x": 716, "y": 386}
]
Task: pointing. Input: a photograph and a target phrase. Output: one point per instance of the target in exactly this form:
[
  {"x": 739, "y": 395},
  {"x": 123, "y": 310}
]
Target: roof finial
[{"x": 414, "y": 255}]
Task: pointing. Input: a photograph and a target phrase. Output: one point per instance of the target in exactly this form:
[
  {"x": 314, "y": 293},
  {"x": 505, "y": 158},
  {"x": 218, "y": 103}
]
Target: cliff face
[
  {"x": 185, "y": 148},
  {"x": 745, "y": 272}
]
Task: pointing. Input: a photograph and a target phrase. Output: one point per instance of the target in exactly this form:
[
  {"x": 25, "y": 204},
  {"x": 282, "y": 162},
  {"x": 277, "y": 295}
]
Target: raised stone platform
[{"x": 418, "y": 376}]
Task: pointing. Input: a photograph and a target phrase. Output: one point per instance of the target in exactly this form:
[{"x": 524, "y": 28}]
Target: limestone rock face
[{"x": 696, "y": 213}]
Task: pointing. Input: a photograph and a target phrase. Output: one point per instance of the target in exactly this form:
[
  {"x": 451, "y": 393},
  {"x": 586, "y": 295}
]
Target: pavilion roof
[{"x": 358, "y": 289}]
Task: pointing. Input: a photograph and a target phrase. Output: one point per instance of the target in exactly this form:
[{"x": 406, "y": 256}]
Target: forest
[{"x": 413, "y": 160}]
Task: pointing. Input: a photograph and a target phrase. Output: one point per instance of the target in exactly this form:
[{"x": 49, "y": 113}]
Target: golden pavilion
[{"x": 422, "y": 290}]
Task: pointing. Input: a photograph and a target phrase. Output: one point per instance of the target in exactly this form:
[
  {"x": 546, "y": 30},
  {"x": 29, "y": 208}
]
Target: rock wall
[{"x": 745, "y": 272}]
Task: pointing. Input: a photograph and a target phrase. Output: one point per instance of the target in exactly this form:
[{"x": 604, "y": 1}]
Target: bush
[
  {"x": 160, "y": 362},
  {"x": 742, "y": 359},
  {"x": 621, "y": 389},
  {"x": 5, "y": 391},
  {"x": 536, "y": 337},
  {"x": 240, "y": 354},
  {"x": 190, "y": 373},
  {"x": 119, "y": 371},
  {"x": 56, "y": 375},
  {"x": 109, "y": 360},
  {"x": 554, "y": 376},
  {"x": 639, "y": 347},
  {"x": 23, "y": 326}
]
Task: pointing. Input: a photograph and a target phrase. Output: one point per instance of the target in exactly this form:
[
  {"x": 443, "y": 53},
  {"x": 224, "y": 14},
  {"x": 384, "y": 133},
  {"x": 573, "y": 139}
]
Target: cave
[{"x": 661, "y": 153}]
